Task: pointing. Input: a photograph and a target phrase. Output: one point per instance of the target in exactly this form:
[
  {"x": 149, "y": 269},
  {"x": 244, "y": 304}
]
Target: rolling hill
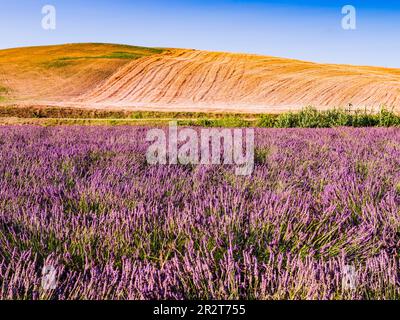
[{"x": 110, "y": 76}]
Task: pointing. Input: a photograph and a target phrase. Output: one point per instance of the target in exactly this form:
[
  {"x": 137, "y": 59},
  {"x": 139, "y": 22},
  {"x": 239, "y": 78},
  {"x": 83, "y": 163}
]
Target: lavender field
[{"x": 84, "y": 201}]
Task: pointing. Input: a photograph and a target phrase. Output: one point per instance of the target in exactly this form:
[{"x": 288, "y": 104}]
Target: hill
[
  {"x": 61, "y": 72},
  {"x": 124, "y": 77}
]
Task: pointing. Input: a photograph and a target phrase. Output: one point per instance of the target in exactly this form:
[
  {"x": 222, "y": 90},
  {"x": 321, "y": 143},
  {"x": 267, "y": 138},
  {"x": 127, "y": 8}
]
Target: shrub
[
  {"x": 336, "y": 118},
  {"x": 310, "y": 117},
  {"x": 287, "y": 120},
  {"x": 363, "y": 119},
  {"x": 387, "y": 118},
  {"x": 266, "y": 121}
]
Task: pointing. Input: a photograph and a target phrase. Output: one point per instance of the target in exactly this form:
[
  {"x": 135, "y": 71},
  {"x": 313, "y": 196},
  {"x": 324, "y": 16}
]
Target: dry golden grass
[
  {"x": 211, "y": 80},
  {"x": 130, "y": 78},
  {"x": 61, "y": 72}
]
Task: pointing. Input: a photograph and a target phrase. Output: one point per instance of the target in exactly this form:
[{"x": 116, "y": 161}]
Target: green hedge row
[{"x": 312, "y": 118}]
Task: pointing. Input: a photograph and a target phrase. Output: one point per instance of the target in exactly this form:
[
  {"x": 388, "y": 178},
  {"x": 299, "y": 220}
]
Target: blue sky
[{"x": 304, "y": 29}]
